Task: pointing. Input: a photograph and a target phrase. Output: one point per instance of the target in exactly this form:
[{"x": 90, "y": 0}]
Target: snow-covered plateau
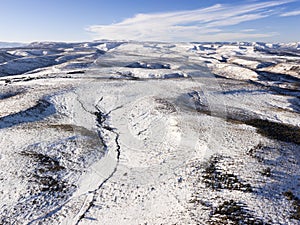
[{"x": 130, "y": 132}]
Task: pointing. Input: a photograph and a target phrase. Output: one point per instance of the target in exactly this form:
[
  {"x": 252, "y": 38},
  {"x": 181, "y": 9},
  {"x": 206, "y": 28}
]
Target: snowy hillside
[{"x": 150, "y": 133}]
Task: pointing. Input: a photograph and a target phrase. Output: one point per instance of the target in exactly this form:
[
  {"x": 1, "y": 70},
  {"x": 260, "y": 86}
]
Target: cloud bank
[
  {"x": 292, "y": 13},
  {"x": 205, "y": 24}
]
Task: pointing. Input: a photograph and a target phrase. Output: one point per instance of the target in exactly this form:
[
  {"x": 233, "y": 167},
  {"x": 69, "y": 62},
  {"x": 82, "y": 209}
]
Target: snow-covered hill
[{"x": 150, "y": 133}]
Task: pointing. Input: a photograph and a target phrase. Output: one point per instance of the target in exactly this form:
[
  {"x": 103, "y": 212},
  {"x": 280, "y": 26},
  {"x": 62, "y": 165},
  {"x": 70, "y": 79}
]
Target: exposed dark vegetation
[
  {"x": 270, "y": 129},
  {"x": 266, "y": 172},
  {"x": 48, "y": 163},
  {"x": 46, "y": 168},
  {"x": 46, "y": 187},
  {"x": 278, "y": 131},
  {"x": 217, "y": 179},
  {"x": 165, "y": 106},
  {"x": 296, "y": 204},
  {"x": 63, "y": 127},
  {"x": 236, "y": 213},
  {"x": 256, "y": 151},
  {"x": 76, "y": 72}
]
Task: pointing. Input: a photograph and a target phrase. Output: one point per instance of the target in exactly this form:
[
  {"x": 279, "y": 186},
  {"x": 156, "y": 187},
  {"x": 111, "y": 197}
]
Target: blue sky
[{"x": 153, "y": 20}]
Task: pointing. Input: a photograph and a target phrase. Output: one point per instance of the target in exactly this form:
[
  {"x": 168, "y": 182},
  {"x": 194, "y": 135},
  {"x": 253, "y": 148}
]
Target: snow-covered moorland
[{"x": 150, "y": 133}]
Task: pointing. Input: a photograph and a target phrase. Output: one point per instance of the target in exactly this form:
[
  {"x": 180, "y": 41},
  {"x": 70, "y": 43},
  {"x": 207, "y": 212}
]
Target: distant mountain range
[{"x": 10, "y": 44}]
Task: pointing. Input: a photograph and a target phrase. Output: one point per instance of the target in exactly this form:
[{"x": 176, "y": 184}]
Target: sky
[{"x": 150, "y": 20}]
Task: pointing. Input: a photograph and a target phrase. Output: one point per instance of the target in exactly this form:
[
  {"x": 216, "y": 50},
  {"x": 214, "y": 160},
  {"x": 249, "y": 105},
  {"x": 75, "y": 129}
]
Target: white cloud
[
  {"x": 292, "y": 13},
  {"x": 248, "y": 30},
  {"x": 190, "y": 25}
]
